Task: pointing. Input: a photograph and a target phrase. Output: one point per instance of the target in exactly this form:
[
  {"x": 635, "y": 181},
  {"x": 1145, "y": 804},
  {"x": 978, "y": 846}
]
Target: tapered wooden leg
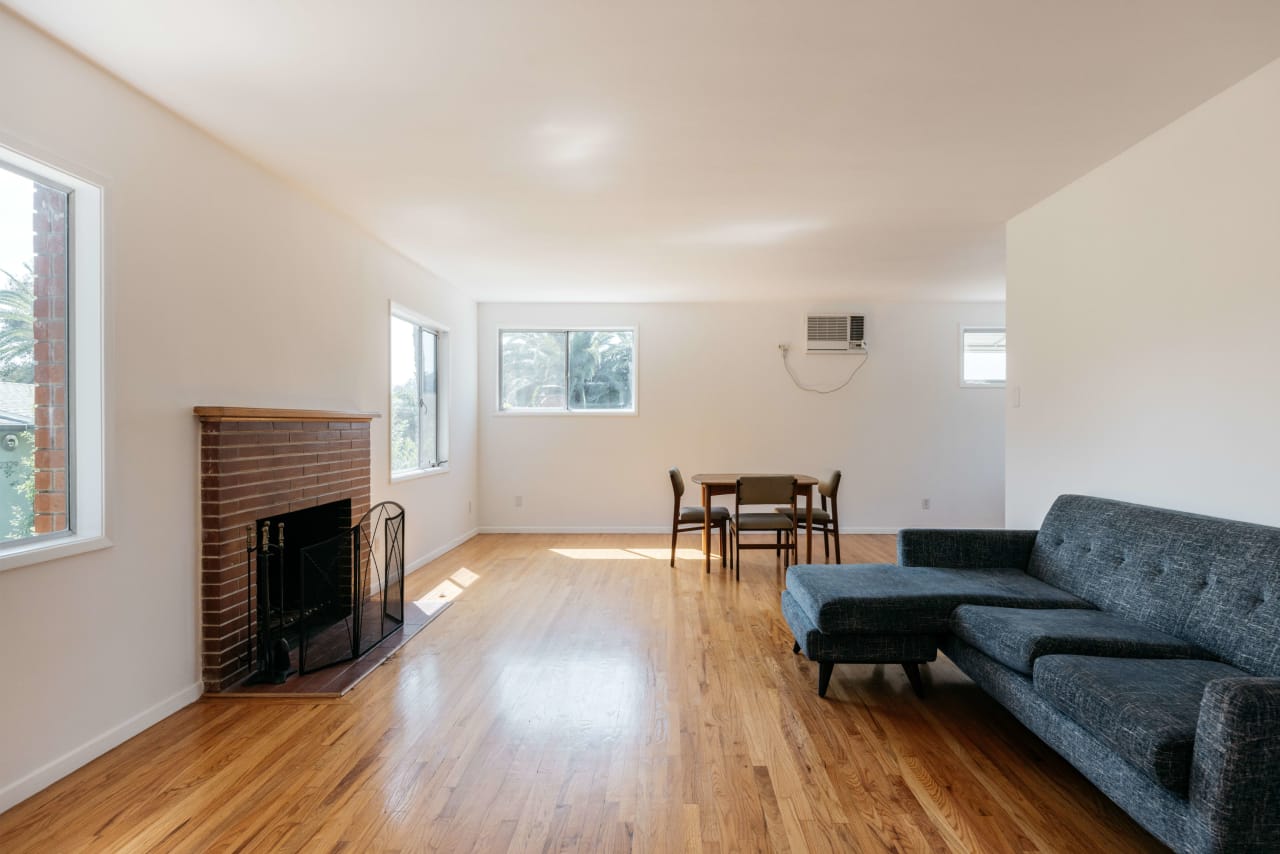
[
  {"x": 795, "y": 647},
  {"x": 824, "y": 676},
  {"x": 706, "y": 526},
  {"x": 724, "y": 526},
  {"x": 674, "y": 532},
  {"x": 913, "y": 676},
  {"x": 826, "y": 546}
]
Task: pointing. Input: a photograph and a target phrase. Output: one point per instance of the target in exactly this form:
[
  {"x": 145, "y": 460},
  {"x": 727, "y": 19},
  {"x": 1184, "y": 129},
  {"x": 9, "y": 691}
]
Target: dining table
[{"x": 724, "y": 483}]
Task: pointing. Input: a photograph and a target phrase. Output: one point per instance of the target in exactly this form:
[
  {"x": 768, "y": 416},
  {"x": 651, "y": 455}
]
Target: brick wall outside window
[{"x": 52, "y": 435}]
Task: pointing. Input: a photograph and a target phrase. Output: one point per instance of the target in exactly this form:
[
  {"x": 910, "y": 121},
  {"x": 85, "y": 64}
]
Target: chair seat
[
  {"x": 1016, "y": 637},
  {"x": 761, "y": 522},
  {"x": 694, "y": 514},
  {"x": 1144, "y": 710},
  {"x": 820, "y": 516}
]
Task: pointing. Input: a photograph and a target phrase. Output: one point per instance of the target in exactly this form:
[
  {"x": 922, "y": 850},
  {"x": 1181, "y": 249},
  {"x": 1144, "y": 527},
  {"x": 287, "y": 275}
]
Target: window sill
[
  {"x": 564, "y": 413},
  {"x": 399, "y": 477},
  {"x": 54, "y": 548},
  {"x": 982, "y": 385}
]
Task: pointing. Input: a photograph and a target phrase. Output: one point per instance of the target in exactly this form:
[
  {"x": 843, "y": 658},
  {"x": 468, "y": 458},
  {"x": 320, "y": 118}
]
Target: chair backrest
[
  {"x": 828, "y": 488},
  {"x": 767, "y": 489},
  {"x": 677, "y": 483}
]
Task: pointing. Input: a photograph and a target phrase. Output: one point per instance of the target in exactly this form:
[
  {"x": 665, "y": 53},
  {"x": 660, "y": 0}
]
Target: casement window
[
  {"x": 419, "y": 395},
  {"x": 51, "y": 363},
  {"x": 982, "y": 356},
  {"x": 567, "y": 370}
]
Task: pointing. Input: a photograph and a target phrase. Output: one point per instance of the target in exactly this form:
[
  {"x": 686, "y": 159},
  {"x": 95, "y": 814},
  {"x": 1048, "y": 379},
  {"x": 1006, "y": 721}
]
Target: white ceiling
[{"x": 675, "y": 150}]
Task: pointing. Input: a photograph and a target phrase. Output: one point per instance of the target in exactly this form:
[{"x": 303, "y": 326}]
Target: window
[
  {"x": 50, "y": 363},
  {"x": 566, "y": 370},
  {"x": 419, "y": 411},
  {"x": 982, "y": 356}
]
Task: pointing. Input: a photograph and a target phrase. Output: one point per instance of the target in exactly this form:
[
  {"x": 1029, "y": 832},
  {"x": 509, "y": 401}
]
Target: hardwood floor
[{"x": 579, "y": 694}]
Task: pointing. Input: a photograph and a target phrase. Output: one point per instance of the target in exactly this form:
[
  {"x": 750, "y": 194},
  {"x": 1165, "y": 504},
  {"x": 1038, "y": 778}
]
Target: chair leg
[
  {"x": 675, "y": 530},
  {"x": 826, "y": 545},
  {"x": 724, "y": 526},
  {"x": 824, "y": 676},
  {"x": 913, "y": 676}
]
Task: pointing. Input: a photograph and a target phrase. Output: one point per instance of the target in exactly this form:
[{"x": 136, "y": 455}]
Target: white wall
[
  {"x": 713, "y": 396},
  {"x": 224, "y": 287},
  {"x": 1143, "y": 303}
]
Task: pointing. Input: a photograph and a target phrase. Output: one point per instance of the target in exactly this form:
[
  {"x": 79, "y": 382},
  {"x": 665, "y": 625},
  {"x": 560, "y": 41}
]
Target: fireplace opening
[{"x": 321, "y": 590}]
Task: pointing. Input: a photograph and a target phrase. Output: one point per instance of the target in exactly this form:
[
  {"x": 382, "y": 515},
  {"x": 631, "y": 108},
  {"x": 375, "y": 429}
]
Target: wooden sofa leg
[
  {"x": 913, "y": 676},
  {"x": 824, "y": 676}
]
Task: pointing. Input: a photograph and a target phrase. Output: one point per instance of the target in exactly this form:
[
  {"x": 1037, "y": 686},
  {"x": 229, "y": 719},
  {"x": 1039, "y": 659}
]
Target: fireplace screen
[{"x": 325, "y": 593}]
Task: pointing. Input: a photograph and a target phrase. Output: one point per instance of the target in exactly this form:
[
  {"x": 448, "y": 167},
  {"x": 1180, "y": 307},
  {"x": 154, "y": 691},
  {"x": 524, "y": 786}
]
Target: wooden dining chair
[
  {"x": 757, "y": 490},
  {"x": 826, "y": 520},
  {"x": 685, "y": 519}
]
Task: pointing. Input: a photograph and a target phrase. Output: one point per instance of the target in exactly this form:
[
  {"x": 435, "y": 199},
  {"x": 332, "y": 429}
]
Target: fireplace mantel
[{"x": 255, "y": 413}]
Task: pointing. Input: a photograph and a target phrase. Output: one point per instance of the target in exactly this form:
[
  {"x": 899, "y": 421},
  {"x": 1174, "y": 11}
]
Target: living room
[{"x": 261, "y": 192}]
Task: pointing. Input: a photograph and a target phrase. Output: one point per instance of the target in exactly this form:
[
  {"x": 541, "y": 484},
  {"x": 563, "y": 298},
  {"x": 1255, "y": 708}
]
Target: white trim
[
  {"x": 566, "y": 412},
  {"x": 86, "y": 329},
  {"x": 444, "y": 392},
  {"x": 418, "y": 563},
  {"x": 41, "y": 549},
  {"x": 989, "y": 327},
  {"x": 48, "y": 774},
  {"x": 414, "y": 474},
  {"x": 563, "y": 413}
]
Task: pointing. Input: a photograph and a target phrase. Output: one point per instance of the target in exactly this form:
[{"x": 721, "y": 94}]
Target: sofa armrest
[
  {"x": 1235, "y": 787},
  {"x": 965, "y": 549}
]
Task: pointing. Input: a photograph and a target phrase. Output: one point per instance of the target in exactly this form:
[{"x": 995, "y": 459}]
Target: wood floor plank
[{"x": 581, "y": 695}]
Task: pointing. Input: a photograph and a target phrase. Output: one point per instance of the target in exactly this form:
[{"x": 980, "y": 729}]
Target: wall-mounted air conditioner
[{"x": 835, "y": 333}]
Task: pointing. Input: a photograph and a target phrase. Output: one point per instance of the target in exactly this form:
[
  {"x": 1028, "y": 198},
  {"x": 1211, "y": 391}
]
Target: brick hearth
[{"x": 256, "y": 463}]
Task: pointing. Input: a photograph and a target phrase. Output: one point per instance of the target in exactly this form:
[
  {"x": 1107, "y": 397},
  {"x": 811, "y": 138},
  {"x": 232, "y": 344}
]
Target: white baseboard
[
  {"x": 633, "y": 529},
  {"x": 46, "y": 775},
  {"x": 444, "y": 549}
]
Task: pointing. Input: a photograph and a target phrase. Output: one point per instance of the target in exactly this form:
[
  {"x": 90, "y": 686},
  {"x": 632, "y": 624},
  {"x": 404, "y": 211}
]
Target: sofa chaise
[{"x": 1142, "y": 644}]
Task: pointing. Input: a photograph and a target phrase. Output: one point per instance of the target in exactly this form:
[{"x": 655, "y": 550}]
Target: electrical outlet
[
  {"x": 784, "y": 348},
  {"x": 519, "y": 500},
  {"x": 924, "y": 504}
]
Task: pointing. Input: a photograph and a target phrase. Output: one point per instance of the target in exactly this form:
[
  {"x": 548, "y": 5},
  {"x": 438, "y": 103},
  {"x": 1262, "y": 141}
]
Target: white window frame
[
  {"x": 518, "y": 412},
  {"x": 443, "y": 369},
  {"x": 86, "y": 414},
  {"x": 965, "y": 382}
]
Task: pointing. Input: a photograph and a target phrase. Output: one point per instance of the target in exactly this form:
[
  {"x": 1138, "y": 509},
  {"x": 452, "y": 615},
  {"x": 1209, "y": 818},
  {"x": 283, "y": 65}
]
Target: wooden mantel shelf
[{"x": 253, "y": 413}]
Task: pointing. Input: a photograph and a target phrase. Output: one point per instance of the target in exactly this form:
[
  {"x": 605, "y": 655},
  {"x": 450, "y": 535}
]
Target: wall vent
[{"x": 835, "y": 333}]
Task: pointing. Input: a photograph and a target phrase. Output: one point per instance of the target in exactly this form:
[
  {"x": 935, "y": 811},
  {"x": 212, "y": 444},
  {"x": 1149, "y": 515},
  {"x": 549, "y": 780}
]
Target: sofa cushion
[
  {"x": 1016, "y": 637},
  {"x": 1213, "y": 582},
  {"x": 887, "y": 599},
  {"x": 1144, "y": 709}
]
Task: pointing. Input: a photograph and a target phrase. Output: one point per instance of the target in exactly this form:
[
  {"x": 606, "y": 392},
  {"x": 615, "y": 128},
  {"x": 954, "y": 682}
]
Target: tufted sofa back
[{"x": 1213, "y": 582}]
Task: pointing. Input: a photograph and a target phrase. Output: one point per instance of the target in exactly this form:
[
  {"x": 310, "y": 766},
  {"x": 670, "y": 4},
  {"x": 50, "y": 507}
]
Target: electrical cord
[{"x": 786, "y": 363}]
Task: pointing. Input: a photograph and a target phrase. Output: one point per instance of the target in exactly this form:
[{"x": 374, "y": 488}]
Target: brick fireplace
[{"x": 256, "y": 464}]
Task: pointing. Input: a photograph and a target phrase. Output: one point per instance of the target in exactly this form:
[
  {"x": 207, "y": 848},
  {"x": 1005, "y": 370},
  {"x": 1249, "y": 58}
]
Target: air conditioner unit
[{"x": 835, "y": 333}]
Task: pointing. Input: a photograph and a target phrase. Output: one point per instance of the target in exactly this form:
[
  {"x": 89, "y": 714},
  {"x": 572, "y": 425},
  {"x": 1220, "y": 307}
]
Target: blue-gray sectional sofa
[{"x": 1142, "y": 644}]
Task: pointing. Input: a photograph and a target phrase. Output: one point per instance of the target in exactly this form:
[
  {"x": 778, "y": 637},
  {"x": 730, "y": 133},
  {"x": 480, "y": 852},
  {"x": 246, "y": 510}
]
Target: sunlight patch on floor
[{"x": 446, "y": 591}]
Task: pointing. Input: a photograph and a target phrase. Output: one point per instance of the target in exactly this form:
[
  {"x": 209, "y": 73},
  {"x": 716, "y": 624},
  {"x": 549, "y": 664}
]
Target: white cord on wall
[{"x": 786, "y": 363}]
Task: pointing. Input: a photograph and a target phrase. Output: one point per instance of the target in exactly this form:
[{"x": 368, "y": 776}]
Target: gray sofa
[{"x": 1142, "y": 644}]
